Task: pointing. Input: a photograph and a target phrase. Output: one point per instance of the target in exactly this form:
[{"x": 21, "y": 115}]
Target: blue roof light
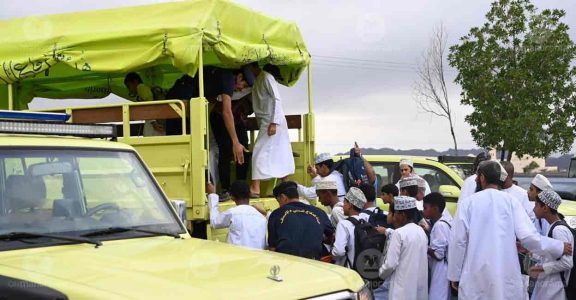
[{"x": 37, "y": 116}]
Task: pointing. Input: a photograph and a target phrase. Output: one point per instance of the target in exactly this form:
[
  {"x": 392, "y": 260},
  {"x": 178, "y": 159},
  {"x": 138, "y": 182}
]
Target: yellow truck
[
  {"x": 161, "y": 42},
  {"x": 69, "y": 243}
]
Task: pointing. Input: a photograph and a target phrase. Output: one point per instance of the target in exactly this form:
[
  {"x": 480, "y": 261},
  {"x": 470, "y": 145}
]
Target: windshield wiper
[
  {"x": 24, "y": 235},
  {"x": 112, "y": 230}
]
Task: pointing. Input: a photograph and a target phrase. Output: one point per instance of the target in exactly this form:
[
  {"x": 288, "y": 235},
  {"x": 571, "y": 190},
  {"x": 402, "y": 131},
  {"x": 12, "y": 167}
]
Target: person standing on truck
[
  {"x": 232, "y": 139},
  {"x": 297, "y": 228},
  {"x": 247, "y": 225},
  {"x": 272, "y": 156},
  {"x": 323, "y": 169},
  {"x": 482, "y": 255},
  {"x": 142, "y": 92}
]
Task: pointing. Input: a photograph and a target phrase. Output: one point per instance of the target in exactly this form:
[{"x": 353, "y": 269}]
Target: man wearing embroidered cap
[
  {"x": 407, "y": 170},
  {"x": 343, "y": 249},
  {"x": 323, "y": 170},
  {"x": 482, "y": 255},
  {"x": 406, "y": 261},
  {"x": 552, "y": 273},
  {"x": 539, "y": 183},
  {"x": 327, "y": 192}
]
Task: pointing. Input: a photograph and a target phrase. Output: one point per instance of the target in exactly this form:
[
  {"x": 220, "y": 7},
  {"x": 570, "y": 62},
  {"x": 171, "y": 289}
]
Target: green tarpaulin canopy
[{"x": 87, "y": 54}]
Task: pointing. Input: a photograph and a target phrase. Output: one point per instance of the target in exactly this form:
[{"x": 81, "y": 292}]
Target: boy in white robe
[
  {"x": 482, "y": 255},
  {"x": 406, "y": 259},
  {"x": 322, "y": 170},
  {"x": 551, "y": 272},
  {"x": 327, "y": 195},
  {"x": 272, "y": 156},
  {"x": 343, "y": 250},
  {"x": 247, "y": 226},
  {"x": 434, "y": 204},
  {"x": 539, "y": 183}
]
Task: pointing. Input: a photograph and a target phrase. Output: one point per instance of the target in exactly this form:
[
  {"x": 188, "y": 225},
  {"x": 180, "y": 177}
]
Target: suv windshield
[{"x": 75, "y": 191}]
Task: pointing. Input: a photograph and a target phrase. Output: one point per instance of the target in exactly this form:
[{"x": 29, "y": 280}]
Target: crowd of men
[{"x": 427, "y": 254}]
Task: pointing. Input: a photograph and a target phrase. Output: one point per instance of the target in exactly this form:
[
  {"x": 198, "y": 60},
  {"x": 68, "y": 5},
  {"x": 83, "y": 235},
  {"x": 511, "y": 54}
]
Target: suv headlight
[{"x": 571, "y": 221}]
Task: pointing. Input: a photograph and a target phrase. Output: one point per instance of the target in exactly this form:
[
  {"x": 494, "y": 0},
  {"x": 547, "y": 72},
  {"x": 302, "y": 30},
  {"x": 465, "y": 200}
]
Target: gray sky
[{"x": 364, "y": 55}]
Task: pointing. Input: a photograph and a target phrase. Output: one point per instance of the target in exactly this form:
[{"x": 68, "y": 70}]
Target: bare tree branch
[{"x": 430, "y": 91}]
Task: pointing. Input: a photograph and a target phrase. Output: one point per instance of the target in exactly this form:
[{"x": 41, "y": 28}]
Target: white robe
[
  {"x": 343, "y": 250},
  {"x": 549, "y": 284},
  {"x": 336, "y": 214},
  {"x": 522, "y": 196},
  {"x": 406, "y": 263},
  {"x": 482, "y": 254},
  {"x": 310, "y": 192},
  {"x": 272, "y": 157},
  {"x": 469, "y": 187},
  {"x": 439, "y": 239},
  {"x": 426, "y": 192},
  {"x": 247, "y": 225}
]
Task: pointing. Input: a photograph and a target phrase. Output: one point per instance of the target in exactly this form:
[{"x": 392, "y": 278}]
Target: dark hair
[
  {"x": 288, "y": 188},
  {"x": 411, "y": 214},
  {"x": 240, "y": 190},
  {"x": 391, "y": 208},
  {"x": 368, "y": 191},
  {"x": 411, "y": 189},
  {"x": 390, "y": 189},
  {"x": 537, "y": 188},
  {"x": 491, "y": 171},
  {"x": 132, "y": 76},
  {"x": 482, "y": 156},
  {"x": 274, "y": 71},
  {"x": 435, "y": 199},
  {"x": 356, "y": 209},
  {"x": 552, "y": 211},
  {"x": 328, "y": 163}
]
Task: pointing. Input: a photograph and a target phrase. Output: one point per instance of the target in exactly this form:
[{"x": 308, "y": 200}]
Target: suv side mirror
[{"x": 449, "y": 191}]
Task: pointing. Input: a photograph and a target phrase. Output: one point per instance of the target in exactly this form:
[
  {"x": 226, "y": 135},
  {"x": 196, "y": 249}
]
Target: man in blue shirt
[{"x": 297, "y": 228}]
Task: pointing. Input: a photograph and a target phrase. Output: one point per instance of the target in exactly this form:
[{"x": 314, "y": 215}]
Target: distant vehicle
[
  {"x": 572, "y": 169},
  {"x": 461, "y": 164},
  {"x": 565, "y": 187}
]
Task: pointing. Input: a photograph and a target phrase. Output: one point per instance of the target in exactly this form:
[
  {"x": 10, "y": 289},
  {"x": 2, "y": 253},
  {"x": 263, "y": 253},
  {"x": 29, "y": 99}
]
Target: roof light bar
[
  {"x": 30, "y": 115},
  {"x": 51, "y": 128}
]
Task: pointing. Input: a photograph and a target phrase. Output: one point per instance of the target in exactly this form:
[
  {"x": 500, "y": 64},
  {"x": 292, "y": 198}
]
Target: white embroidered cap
[
  {"x": 550, "y": 198},
  {"x": 356, "y": 197},
  {"x": 408, "y": 181},
  {"x": 404, "y": 203},
  {"x": 406, "y": 162},
  {"x": 322, "y": 157},
  {"x": 541, "y": 182},
  {"x": 325, "y": 185}
]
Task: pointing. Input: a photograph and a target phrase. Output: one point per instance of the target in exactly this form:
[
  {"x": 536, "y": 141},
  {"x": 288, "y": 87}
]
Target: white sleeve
[
  {"x": 275, "y": 105},
  {"x": 340, "y": 241},
  {"x": 392, "y": 259},
  {"x": 458, "y": 242},
  {"x": 217, "y": 219},
  {"x": 307, "y": 192},
  {"x": 565, "y": 263},
  {"x": 439, "y": 239},
  {"x": 338, "y": 213},
  {"x": 530, "y": 238}
]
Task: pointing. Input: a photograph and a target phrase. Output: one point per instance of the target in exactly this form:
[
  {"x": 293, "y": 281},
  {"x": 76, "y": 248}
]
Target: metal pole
[
  {"x": 309, "y": 87},
  {"x": 10, "y": 98}
]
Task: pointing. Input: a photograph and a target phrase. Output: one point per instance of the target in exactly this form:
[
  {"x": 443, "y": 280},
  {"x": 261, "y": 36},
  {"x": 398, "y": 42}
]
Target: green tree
[{"x": 515, "y": 71}]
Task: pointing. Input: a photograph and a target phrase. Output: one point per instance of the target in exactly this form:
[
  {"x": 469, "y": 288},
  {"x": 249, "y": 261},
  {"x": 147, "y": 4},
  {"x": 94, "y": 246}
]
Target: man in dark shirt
[
  {"x": 297, "y": 228},
  {"x": 230, "y": 134}
]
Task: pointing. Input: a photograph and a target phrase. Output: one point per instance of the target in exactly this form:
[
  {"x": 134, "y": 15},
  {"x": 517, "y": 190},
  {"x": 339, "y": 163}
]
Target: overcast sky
[{"x": 364, "y": 55}]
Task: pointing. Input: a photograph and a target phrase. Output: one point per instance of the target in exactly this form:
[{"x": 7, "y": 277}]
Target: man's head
[
  {"x": 354, "y": 201},
  {"x": 324, "y": 164},
  {"x": 389, "y": 191},
  {"x": 240, "y": 192},
  {"x": 409, "y": 186},
  {"x": 286, "y": 192},
  {"x": 434, "y": 204},
  {"x": 131, "y": 81},
  {"x": 404, "y": 211},
  {"x": 369, "y": 193},
  {"x": 509, "y": 168},
  {"x": 327, "y": 192},
  {"x": 538, "y": 184},
  {"x": 483, "y": 156},
  {"x": 490, "y": 173},
  {"x": 406, "y": 168},
  {"x": 547, "y": 203},
  {"x": 244, "y": 77}
]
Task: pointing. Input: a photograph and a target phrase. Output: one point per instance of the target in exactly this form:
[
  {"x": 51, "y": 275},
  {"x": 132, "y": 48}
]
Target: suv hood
[{"x": 162, "y": 267}]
